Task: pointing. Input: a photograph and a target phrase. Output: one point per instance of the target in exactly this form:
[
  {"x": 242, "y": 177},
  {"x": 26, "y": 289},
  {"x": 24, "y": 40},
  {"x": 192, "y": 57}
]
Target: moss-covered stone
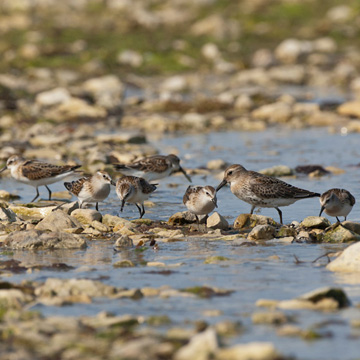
[{"x": 216, "y": 259}]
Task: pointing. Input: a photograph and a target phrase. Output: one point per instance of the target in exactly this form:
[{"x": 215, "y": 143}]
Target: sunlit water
[{"x": 252, "y": 272}]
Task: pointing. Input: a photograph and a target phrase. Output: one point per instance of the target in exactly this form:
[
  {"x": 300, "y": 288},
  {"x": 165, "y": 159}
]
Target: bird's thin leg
[
  {"x": 252, "y": 209},
  {"x": 140, "y": 211},
  {"x": 206, "y": 217},
  {"x": 198, "y": 222},
  {"x": 97, "y": 206},
  {"x": 37, "y": 195},
  {"x": 280, "y": 214},
  {"x": 143, "y": 210},
  {"x": 58, "y": 207},
  {"x": 49, "y": 192}
]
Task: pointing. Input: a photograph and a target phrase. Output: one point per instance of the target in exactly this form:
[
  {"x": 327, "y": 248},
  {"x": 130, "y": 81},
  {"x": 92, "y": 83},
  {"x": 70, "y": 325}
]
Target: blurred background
[{"x": 157, "y": 67}]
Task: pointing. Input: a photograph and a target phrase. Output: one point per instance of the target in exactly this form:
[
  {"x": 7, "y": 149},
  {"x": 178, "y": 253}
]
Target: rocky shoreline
[{"x": 90, "y": 82}]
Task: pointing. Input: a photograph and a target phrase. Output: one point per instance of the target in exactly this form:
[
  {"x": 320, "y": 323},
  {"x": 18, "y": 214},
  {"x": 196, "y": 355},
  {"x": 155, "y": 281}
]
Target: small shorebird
[
  {"x": 37, "y": 173},
  {"x": 261, "y": 190},
  {"x": 153, "y": 167},
  {"x": 200, "y": 200},
  {"x": 336, "y": 202},
  {"x": 135, "y": 190},
  {"x": 90, "y": 189}
]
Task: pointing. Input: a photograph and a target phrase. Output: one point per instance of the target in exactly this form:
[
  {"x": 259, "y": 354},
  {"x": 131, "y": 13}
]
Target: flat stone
[
  {"x": 215, "y": 259},
  {"x": 39, "y": 240},
  {"x": 244, "y": 221},
  {"x": 13, "y": 298},
  {"x": 182, "y": 218},
  {"x": 216, "y": 164},
  {"x": 97, "y": 225},
  {"x": 340, "y": 235},
  {"x": 271, "y": 318},
  {"x": 350, "y": 108},
  {"x": 52, "y": 97},
  {"x": 217, "y": 221},
  {"x": 319, "y": 299},
  {"x": 262, "y": 232},
  {"x": 200, "y": 347},
  {"x": 31, "y": 212},
  {"x": 348, "y": 261},
  {"x": 278, "y": 171},
  {"x": 123, "y": 263},
  {"x": 315, "y": 222},
  {"x": 57, "y": 221},
  {"x": 249, "y": 351},
  {"x": 123, "y": 242},
  {"x": 111, "y": 220},
  {"x": 86, "y": 216},
  {"x": 54, "y": 287}
]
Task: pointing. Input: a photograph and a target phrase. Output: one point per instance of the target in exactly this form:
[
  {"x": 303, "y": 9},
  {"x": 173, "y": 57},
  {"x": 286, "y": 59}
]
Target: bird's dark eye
[
  {"x": 230, "y": 172},
  {"x": 104, "y": 176}
]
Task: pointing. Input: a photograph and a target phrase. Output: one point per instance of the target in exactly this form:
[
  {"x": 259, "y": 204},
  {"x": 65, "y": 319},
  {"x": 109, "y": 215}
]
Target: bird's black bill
[
  {"x": 185, "y": 174},
  {"x": 3, "y": 169},
  {"x": 122, "y": 205},
  {"x": 321, "y": 210},
  {"x": 222, "y": 184},
  {"x": 113, "y": 182},
  {"x": 215, "y": 202}
]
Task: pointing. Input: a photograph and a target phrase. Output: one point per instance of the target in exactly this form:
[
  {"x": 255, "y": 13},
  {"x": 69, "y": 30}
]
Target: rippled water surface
[{"x": 253, "y": 272}]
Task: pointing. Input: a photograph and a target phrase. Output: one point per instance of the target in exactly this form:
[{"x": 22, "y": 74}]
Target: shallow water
[{"x": 253, "y": 272}]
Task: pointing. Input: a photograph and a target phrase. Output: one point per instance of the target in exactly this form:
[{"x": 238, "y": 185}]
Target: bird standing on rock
[
  {"x": 91, "y": 189},
  {"x": 337, "y": 202},
  {"x": 200, "y": 200},
  {"x": 262, "y": 190}
]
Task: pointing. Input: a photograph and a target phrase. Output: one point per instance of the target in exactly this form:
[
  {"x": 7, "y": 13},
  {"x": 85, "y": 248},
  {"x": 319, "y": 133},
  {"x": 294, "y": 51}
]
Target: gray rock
[
  {"x": 58, "y": 221},
  {"x": 217, "y": 221},
  {"x": 251, "y": 220},
  {"x": 7, "y": 214},
  {"x": 123, "y": 242},
  {"x": 289, "y": 50},
  {"x": 262, "y": 232},
  {"x": 340, "y": 235},
  {"x": 136, "y": 348},
  {"x": 249, "y": 351},
  {"x": 130, "y": 57},
  {"x": 278, "y": 170},
  {"x": 54, "y": 287},
  {"x": 106, "y": 90},
  {"x": 31, "y": 212},
  {"x": 111, "y": 220},
  {"x": 269, "y": 317},
  {"x": 320, "y": 299},
  {"x": 201, "y": 346},
  {"x": 39, "y": 240},
  {"x": 348, "y": 261},
  {"x": 86, "y": 216},
  {"x": 216, "y": 164},
  {"x": 13, "y": 298},
  {"x": 279, "y": 112},
  {"x": 315, "y": 222},
  {"x": 182, "y": 218},
  {"x": 52, "y": 97}
]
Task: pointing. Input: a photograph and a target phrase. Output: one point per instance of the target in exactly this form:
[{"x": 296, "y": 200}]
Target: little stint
[{"x": 261, "y": 190}]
